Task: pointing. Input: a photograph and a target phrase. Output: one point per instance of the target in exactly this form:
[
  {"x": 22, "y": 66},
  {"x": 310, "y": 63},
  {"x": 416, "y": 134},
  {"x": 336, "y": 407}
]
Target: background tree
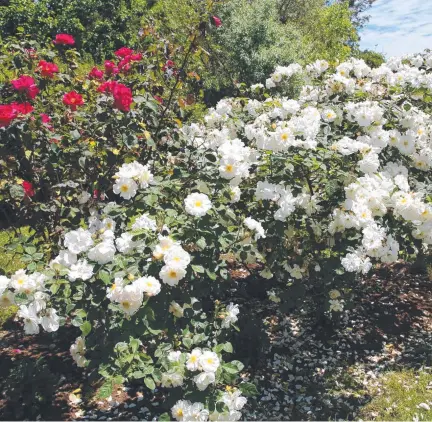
[
  {"x": 358, "y": 9},
  {"x": 99, "y": 26}
]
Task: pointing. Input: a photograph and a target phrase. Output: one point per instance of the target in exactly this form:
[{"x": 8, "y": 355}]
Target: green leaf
[
  {"x": 16, "y": 191},
  {"x": 85, "y": 328},
  {"x": 30, "y": 249},
  {"x": 187, "y": 342},
  {"x": 81, "y": 313},
  {"x": 149, "y": 383},
  {"x": 211, "y": 275},
  {"x": 134, "y": 344},
  {"x": 164, "y": 417},
  {"x": 106, "y": 390},
  {"x": 198, "y": 268},
  {"x": 228, "y": 347},
  {"x": 230, "y": 368},
  {"x": 218, "y": 348},
  {"x": 54, "y": 288},
  {"x": 248, "y": 389},
  {"x": 233, "y": 367},
  {"x": 211, "y": 157},
  {"x": 105, "y": 277},
  {"x": 201, "y": 243},
  {"x": 138, "y": 375},
  {"x": 118, "y": 379}
]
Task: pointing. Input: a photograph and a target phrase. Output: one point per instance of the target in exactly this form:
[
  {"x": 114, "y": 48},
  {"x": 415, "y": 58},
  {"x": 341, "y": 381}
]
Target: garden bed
[{"x": 304, "y": 370}]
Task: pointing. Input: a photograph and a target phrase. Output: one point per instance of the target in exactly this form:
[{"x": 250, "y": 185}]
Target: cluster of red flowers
[
  {"x": 27, "y": 85},
  {"x": 121, "y": 93},
  {"x": 126, "y": 55},
  {"x": 47, "y": 69},
  {"x": 9, "y": 112},
  {"x": 73, "y": 100},
  {"x": 64, "y": 39}
]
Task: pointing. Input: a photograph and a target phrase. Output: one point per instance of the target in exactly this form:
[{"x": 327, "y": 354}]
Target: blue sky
[{"x": 398, "y": 27}]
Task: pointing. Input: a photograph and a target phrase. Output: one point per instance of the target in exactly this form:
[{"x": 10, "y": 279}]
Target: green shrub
[
  {"x": 372, "y": 58},
  {"x": 82, "y": 147},
  {"x": 99, "y": 26}
]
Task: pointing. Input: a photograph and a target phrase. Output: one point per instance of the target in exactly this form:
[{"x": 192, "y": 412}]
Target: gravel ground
[{"x": 317, "y": 373}]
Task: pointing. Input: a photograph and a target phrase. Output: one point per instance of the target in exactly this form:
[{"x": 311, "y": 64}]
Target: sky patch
[{"x": 398, "y": 27}]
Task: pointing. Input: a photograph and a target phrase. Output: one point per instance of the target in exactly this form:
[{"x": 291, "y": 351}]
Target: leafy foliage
[{"x": 113, "y": 23}]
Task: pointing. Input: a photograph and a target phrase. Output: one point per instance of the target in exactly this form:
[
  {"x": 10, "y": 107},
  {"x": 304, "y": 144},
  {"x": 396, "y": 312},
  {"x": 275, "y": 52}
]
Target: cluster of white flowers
[
  {"x": 130, "y": 177},
  {"x": 354, "y": 130},
  {"x": 382, "y": 123},
  {"x": 285, "y": 199},
  {"x": 184, "y": 410},
  {"x": 35, "y": 312},
  {"x": 129, "y": 297},
  {"x": 175, "y": 258},
  {"x": 205, "y": 361},
  {"x": 282, "y": 73}
]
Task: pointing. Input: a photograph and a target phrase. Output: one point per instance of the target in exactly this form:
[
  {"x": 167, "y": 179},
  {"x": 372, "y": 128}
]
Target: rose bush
[
  {"x": 308, "y": 192},
  {"x": 330, "y": 182},
  {"x": 65, "y": 125}
]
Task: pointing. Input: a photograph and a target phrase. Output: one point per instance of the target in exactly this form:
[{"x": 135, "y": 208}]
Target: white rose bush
[{"x": 307, "y": 193}]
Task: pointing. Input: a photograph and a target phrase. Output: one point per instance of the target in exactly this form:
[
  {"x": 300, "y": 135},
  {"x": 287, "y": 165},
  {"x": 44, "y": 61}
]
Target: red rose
[
  {"x": 27, "y": 85},
  {"x": 28, "y": 189},
  {"x": 45, "y": 118},
  {"x": 95, "y": 194},
  {"x": 123, "y": 52},
  {"x": 158, "y": 99},
  {"x": 136, "y": 57},
  {"x": 106, "y": 86},
  {"x": 7, "y": 114},
  {"x": 22, "y": 108},
  {"x": 124, "y": 64},
  {"x": 121, "y": 93},
  {"x": 122, "y": 97},
  {"x": 73, "y": 99},
  {"x": 96, "y": 73},
  {"x": 47, "y": 69},
  {"x": 64, "y": 39},
  {"x": 110, "y": 68},
  {"x": 217, "y": 21}
]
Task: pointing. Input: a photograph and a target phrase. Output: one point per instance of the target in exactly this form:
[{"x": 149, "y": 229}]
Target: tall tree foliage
[{"x": 99, "y": 26}]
